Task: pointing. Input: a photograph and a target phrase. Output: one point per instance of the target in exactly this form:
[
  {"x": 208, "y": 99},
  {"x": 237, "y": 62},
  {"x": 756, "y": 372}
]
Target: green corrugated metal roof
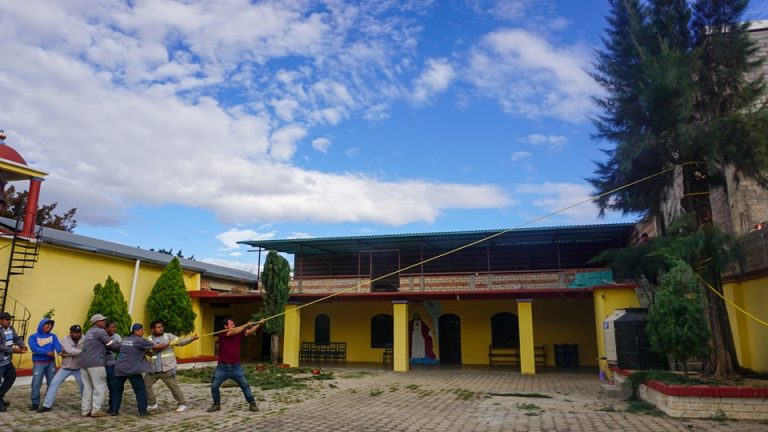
[{"x": 573, "y": 234}]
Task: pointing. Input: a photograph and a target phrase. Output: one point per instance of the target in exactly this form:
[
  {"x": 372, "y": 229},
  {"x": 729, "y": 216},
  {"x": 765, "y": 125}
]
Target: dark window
[
  {"x": 381, "y": 331},
  {"x": 505, "y": 331},
  {"x": 322, "y": 329}
]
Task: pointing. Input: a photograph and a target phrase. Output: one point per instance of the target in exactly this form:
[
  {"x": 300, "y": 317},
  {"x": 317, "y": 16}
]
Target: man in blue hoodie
[{"x": 44, "y": 346}]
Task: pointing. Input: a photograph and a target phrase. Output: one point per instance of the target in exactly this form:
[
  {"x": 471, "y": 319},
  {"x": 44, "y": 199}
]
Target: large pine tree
[
  {"x": 170, "y": 302},
  {"x": 683, "y": 93},
  {"x": 109, "y": 301}
]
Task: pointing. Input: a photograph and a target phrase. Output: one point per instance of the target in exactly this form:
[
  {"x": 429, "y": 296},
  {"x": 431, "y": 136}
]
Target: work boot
[
  {"x": 2, "y": 407},
  {"x": 214, "y": 408},
  {"x": 253, "y": 407},
  {"x": 34, "y": 407},
  {"x": 43, "y": 409}
]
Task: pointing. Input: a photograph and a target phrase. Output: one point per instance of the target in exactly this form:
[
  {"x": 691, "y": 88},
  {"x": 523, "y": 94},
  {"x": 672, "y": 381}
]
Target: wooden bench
[{"x": 511, "y": 355}]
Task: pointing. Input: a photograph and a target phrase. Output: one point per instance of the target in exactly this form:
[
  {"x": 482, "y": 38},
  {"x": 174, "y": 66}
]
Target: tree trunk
[
  {"x": 274, "y": 348},
  {"x": 722, "y": 361}
]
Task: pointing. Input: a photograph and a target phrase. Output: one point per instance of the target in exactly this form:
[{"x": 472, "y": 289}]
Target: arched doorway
[
  {"x": 450, "y": 339},
  {"x": 505, "y": 330}
]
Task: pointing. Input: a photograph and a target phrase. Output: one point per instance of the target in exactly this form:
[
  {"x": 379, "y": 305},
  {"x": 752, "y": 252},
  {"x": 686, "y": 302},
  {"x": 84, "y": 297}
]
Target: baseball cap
[
  {"x": 75, "y": 329},
  {"x": 136, "y": 326},
  {"x": 5, "y": 315},
  {"x": 97, "y": 317}
]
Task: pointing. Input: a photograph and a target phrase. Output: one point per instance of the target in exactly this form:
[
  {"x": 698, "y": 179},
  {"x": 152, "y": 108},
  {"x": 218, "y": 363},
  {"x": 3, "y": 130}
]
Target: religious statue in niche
[{"x": 421, "y": 348}]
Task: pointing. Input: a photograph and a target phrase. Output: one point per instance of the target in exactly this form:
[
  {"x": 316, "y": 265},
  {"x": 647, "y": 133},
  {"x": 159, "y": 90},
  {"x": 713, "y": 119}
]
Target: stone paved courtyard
[{"x": 379, "y": 400}]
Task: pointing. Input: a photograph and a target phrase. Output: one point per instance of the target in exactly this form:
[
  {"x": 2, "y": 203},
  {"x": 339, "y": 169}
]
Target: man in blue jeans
[
  {"x": 44, "y": 346},
  {"x": 71, "y": 348},
  {"x": 229, "y": 366}
]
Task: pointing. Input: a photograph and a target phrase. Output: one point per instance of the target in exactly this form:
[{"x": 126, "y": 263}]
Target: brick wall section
[{"x": 330, "y": 285}]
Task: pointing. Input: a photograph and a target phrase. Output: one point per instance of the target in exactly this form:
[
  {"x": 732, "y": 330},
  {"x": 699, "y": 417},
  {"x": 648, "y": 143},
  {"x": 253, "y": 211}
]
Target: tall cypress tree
[
  {"x": 275, "y": 280},
  {"x": 108, "y": 300},
  {"x": 170, "y": 302}
]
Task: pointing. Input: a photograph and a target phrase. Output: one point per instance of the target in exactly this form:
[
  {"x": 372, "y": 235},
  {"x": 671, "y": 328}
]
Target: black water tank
[{"x": 632, "y": 346}]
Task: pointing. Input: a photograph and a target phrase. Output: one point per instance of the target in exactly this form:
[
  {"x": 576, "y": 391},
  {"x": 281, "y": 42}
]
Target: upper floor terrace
[{"x": 548, "y": 258}]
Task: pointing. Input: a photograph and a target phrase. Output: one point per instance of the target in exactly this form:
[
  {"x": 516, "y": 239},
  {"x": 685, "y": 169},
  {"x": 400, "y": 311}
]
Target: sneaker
[
  {"x": 181, "y": 408},
  {"x": 85, "y": 414},
  {"x": 152, "y": 407},
  {"x": 34, "y": 407},
  {"x": 253, "y": 407},
  {"x": 144, "y": 414},
  {"x": 43, "y": 409},
  {"x": 214, "y": 408},
  {"x": 99, "y": 414}
]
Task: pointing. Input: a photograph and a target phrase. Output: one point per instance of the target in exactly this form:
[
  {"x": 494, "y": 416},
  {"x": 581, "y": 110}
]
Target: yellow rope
[
  {"x": 735, "y": 306},
  {"x": 468, "y": 245}
]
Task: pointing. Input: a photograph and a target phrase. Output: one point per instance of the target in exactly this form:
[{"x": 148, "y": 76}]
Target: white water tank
[{"x": 609, "y": 332}]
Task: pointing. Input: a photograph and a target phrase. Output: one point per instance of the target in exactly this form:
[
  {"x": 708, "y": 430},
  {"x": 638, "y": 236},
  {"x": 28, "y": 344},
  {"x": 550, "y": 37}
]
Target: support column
[
  {"x": 292, "y": 335},
  {"x": 525, "y": 319},
  {"x": 30, "y": 211},
  {"x": 400, "y": 336}
]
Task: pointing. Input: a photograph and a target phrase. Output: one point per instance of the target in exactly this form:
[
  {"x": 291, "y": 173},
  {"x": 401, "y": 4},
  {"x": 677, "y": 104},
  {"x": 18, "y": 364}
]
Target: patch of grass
[
  {"x": 643, "y": 407},
  {"x": 607, "y": 408},
  {"x": 393, "y": 388},
  {"x": 530, "y": 408},
  {"x": 413, "y": 387},
  {"x": 376, "y": 392},
  {"x": 424, "y": 393},
  {"x": 355, "y": 374},
  {"x": 271, "y": 377},
  {"x": 463, "y": 394},
  {"x": 526, "y": 395},
  {"x": 333, "y": 386},
  {"x": 718, "y": 416}
]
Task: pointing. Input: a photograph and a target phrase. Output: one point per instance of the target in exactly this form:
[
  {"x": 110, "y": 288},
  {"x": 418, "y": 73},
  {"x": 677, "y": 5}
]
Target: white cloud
[
  {"x": 434, "y": 79},
  {"x": 551, "y": 142},
  {"x": 230, "y": 237},
  {"x": 283, "y": 141},
  {"x": 130, "y": 89},
  {"x": 321, "y": 144},
  {"x": 520, "y": 155},
  {"x": 300, "y": 235},
  {"x": 252, "y": 267},
  {"x": 352, "y": 152},
  {"x": 551, "y": 197},
  {"x": 529, "y": 76},
  {"x": 236, "y": 254}
]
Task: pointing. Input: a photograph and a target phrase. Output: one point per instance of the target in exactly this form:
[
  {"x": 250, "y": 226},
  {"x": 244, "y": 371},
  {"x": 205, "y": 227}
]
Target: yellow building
[
  {"x": 525, "y": 298},
  {"x": 68, "y": 266}
]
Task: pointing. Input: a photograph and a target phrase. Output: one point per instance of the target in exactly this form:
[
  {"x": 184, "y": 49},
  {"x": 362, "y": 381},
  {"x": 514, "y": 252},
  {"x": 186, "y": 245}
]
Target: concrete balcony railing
[{"x": 518, "y": 280}]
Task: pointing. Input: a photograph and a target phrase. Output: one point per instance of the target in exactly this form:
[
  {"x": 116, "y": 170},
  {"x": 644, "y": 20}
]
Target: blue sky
[{"x": 192, "y": 125}]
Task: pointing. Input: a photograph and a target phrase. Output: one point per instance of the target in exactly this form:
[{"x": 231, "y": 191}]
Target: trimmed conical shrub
[
  {"x": 108, "y": 300},
  {"x": 170, "y": 302}
]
